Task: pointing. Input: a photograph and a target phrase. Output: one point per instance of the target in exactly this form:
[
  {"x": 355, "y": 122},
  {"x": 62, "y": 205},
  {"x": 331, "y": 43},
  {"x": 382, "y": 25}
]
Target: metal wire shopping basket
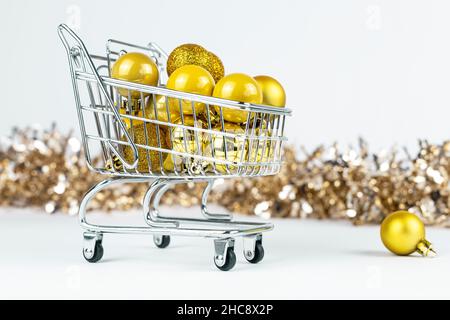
[{"x": 133, "y": 137}]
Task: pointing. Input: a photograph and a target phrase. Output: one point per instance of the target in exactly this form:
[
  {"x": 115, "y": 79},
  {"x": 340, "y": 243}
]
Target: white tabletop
[{"x": 40, "y": 257}]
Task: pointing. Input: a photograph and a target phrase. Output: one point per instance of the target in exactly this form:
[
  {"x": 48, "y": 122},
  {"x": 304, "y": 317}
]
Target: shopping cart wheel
[
  {"x": 258, "y": 255},
  {"x": 230, "y": 261},
  {"x": 92, "y": 249},
  {"x": 224, "y": 257},
  {"x": 253, "y": 248},
  {"x": 161, "y": 241},
  {"x": 96, "y": 255}
]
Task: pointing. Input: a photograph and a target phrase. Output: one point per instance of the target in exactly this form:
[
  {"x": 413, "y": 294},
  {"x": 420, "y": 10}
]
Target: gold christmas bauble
[
  {"x": 186, "y": 140},
  {"x": 226, "y": 148},
  {"x": 273, "y": 92},
  {"x": 404, "y": 233},
  {"x": 182, "y": 55},
  {"x": 114, "y": 164},
  {"x": 174, "y": 163},
  {"x": 182, "y": 165},
  {"x": 139, "y": 136},
  {"x": 209, "y": 115},
  {"x": 195, "y": 55},
  {"x": 213, "y": 64},
  {"x": 162, "y": 113},
  {"x": 261, "y": 149},
  {"x": 135, "y": 67},
  {"x": 192, "y": 79},
  {"x": 133, "y": 108},
  {"x": 238, "y": 87}
]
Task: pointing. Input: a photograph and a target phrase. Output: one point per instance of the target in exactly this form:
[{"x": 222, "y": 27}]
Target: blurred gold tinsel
[{"x": 46, "y": 168}]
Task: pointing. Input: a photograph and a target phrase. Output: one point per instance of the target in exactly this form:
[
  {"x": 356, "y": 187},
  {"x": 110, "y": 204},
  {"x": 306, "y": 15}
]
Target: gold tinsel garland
[{"x": 46, "y": 168}]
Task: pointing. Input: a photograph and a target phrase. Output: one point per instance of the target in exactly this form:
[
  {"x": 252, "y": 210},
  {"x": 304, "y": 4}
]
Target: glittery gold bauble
[
  {"x": 241, "y": 88},
  {"x": 191, "y": 79},
  {"x": 213, "y": 64},
  {"x": 135, "y": 67},
  {"x": 182, "y": 55},
  {"x": 150, "y": 139},
  {"x": 272, "y": 90},
  {"x": 196, "y": 55},
  {"x": 162, "y": 113},
  {"x": 404, "y": 233},
  {"x": 226, "y": 148},
  {"x": 186, "y": 140}
]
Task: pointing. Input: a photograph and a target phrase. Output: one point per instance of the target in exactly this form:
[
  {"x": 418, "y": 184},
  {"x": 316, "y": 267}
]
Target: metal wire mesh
[{"x": 145, "y": 131}]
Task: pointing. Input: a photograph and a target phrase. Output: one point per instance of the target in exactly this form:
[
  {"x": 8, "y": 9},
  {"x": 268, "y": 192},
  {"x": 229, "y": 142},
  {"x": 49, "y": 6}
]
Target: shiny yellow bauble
[
  {"x": 135, "y": 67},
  {"x": 195, "y": 55},
  {"x": 272, "y": 90},
  {"x": 174, "y": 163},
  {"x": 404, "y": 233},
  {"x": 150, "y": 139},
  {"x": 241, "y": 88},
  {"x": 162, "y": 113},
  {"x": 186, "y": 141},
  {"x": 226, "y": 148},
  {"x": 191, "y": 79},
  {"x": 179, "y": 164}
]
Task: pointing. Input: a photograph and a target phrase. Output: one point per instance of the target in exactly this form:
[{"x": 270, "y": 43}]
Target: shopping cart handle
[
  {"x": 158, "y": 49},
  {"x": 63, "y": 32}
]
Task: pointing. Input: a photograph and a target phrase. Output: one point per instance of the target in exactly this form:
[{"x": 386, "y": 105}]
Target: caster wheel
[
  {"x": 229, "y": 262},
  {"x": 96, "y": 255},
  {"x": 161, "y": 241},
  {"x": 258, "y": 255}
]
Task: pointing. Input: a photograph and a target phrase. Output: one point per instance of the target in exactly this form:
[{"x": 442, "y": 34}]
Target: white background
[
  {"x": 304, "y": 259},
  {"x": 380, "y": 69}
]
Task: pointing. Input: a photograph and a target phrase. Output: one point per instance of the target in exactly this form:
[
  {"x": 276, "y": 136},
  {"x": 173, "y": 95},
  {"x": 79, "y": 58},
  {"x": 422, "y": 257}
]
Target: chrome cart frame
[{"x": 109, "y": 120}]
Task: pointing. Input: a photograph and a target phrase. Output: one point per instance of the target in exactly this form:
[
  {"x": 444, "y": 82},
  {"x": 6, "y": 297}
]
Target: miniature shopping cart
[{"x": 106, "y": 133}]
